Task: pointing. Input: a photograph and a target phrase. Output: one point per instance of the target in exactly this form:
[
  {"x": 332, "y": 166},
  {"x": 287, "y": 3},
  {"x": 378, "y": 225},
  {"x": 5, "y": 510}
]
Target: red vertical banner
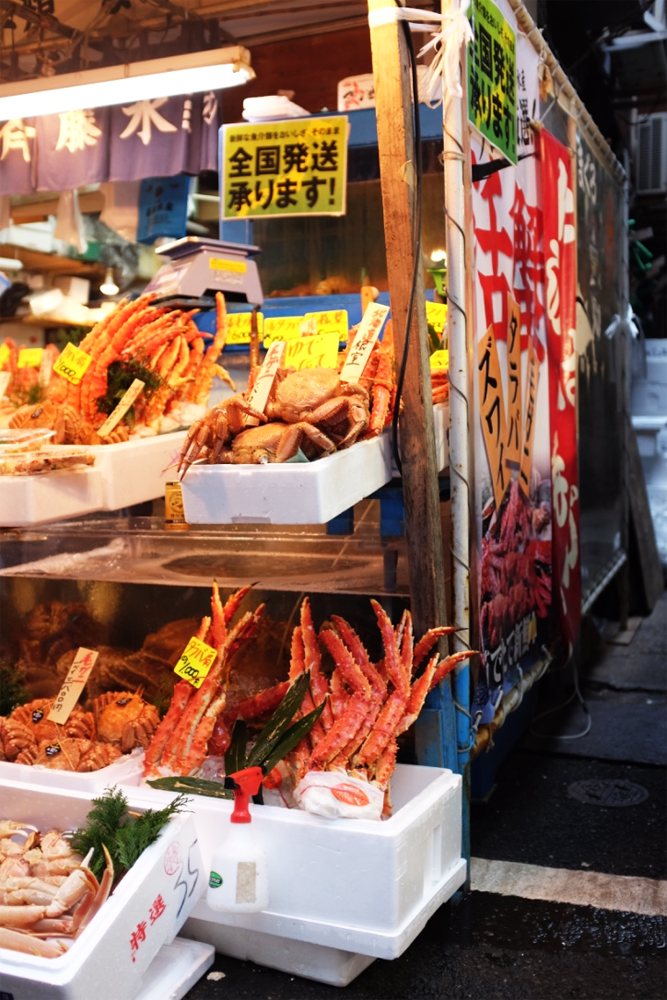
[{"x": 560, "y": 271}]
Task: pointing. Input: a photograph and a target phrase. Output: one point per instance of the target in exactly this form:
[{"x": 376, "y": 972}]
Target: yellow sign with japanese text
[
  {"x": 195, "y": 662},
  {"x": 281, "y": 328},
  {"x": 320, "y": 351},
  {"x": 238, "y": 327},
  {"x": 293, "y": 167},
  {"x": 72, "y": 363}
]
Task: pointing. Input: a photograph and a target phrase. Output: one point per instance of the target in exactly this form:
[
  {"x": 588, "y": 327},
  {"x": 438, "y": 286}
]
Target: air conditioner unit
[{"x": 651, "y": 160}]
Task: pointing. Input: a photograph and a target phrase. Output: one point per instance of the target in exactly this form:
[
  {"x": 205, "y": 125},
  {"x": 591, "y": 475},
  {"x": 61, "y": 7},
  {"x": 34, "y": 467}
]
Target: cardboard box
[
  {"x": 341, "y": 892},
  {"x": 145, "y": 912}
]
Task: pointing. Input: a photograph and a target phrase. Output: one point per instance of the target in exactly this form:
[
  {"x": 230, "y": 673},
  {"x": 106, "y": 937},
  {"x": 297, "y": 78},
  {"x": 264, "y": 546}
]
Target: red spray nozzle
[{"x": 247, "y": 783}]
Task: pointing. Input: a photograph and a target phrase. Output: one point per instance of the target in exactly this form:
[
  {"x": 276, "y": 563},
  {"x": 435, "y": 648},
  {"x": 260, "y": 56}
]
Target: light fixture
[
  {"x": 189, "y": 73},
  {"x": 109, "y": 286}
]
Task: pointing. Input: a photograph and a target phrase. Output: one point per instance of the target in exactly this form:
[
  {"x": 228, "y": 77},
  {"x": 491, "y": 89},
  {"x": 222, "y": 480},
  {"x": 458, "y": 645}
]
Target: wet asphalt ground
[{"x": 590, "y": 805}]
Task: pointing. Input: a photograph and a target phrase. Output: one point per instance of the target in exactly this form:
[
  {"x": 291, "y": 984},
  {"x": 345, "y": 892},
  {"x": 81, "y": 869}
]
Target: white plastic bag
[{"x": 339, "y": 795}]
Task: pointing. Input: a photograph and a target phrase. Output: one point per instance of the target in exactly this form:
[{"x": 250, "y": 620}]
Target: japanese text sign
[
  {"x": 362, "y": 345},
  {"x": 73, "y": 685},
  {"x": 72, "y": 363},
  {"x": 295, "y": 167},
  {"x": 29, "y": 357},
  {"x": 122, "y": 407},
  {"x": 320, "y": 351},
  {"x": 239, "y": 326},
  {"x": 195, "y": 662},
  {"x": 492, "y": 78},
  {"x": 262, "y": 387},
  {"x": 281, "y": 328},
  {"x": 492, "y": 412}
]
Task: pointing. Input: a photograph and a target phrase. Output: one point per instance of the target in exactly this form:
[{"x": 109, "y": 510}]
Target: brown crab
[
  {"x": 213, "y": 432},
  {"x": 70, "y": 754},
  {"x": 316, "y": 397},
  {"x": 31, "y": 723},
  {"x": 277, "y": 442},
  {"x": 125, "y": 720}
]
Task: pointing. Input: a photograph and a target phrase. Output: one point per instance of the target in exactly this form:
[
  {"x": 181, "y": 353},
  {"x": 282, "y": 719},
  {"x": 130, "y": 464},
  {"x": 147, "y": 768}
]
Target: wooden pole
[{"x": 393, "y": 102}]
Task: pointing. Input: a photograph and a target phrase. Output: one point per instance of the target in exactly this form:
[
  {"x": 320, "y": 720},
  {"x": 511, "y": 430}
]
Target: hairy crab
[
  {"x": 125, "y": 720},
  {"x": 316, "y": 397}
]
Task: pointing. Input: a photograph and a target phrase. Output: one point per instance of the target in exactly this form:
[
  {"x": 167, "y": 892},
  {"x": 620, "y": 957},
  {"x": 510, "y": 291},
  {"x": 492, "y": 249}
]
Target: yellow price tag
[
  {"x": 238, "y": 327},
  {"x": 320, "y": 351},
  {"x": 4, "y": 354},
  {"x": 436, "y": 315},
  {"x": 281, "y": 328},
  {"x": 331, "y": 320},
  {"x": 196, "y": 660},
  {"x": 29, "y": 357},
  {"x": 235, "y": 266},
  {"x": 72, "y": 364},
  {"x": 439, "y": 359}
]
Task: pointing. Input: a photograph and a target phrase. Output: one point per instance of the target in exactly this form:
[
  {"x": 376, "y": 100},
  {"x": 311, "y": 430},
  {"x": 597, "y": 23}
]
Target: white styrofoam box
[
  {"x": 297, "y": 492},
  {"x": 352, "y": 886},
  {"x": 127, "y": 770},
  {"x": 286, "y": 493},
  {"x": 124, "y": 474},
  {"x": 135, "y": 471},
  {"x": 76, "y": 287},
  {"x": 298, "y": 958},
  {"x": 175, "y": 969},
  {"x": 145, "y": 912},
  {"x": 54, "y": 496}
]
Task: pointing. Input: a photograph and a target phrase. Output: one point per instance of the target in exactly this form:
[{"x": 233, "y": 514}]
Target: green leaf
[
  {"x": 198, "y": 786},
  {"x": 279, "y": 721},
  {"x": 235, "y": 758},
  {"x": 291, "y": 738}
]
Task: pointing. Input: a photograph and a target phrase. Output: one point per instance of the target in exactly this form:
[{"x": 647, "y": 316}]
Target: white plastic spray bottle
[{"x": 239, "y": 878}]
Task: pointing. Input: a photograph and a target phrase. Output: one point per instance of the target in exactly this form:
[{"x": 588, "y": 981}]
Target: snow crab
[
  {"x": 277, "y": 442},
  {"x": 40, "y": 900},
  {"x": 212, "y": 433}
]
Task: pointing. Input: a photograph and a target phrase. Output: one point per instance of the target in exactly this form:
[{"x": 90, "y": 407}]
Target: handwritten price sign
[
  {"x": 72, "y": 364},
  {"x": 320, "y": 351},
  {"x": 196, "y": 660},
  {"x": 73, "y": 685}
]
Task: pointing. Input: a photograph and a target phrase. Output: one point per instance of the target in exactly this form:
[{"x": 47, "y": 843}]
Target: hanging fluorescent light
[
  {"x": 189, "y": 73},
  {"x": 109, "y": 286}
]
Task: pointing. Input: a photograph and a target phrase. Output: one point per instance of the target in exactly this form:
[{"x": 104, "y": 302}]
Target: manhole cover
[{"x": 608, "y": 792}]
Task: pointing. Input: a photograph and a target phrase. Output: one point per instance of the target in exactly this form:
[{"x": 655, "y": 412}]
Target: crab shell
[
  {"x": 32, "y": 719},
  {"x": 125, "y": 720},
  {"x": 70, "y": 754}
]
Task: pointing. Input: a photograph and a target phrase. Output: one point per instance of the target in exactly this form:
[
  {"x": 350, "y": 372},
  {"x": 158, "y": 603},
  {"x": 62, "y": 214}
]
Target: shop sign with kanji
[
  {"x": 492, "y": 78},
  {"x": 294, "y": 167}
]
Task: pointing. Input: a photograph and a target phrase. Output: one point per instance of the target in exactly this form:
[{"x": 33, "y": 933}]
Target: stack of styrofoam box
[
  {"x": 649, "y": 419},
  {"x": 342, "y": 892},
  {"x": 297, "y": 492},
  {"x": 112, "y": 957},
  {"x": 124, "y": 474}
]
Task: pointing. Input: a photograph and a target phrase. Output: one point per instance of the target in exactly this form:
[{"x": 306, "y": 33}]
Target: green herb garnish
[{"x": 125, "y": 834}]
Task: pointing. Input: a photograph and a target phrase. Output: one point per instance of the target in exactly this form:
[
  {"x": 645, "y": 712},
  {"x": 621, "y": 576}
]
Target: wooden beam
[{"x": 391, "y": 71}]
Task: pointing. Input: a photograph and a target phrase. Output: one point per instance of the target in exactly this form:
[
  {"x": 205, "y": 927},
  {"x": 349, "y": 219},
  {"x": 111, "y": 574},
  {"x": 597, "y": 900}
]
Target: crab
[
  {"x": 125, "y": 720},
  {"x": 316, "y": 397},
  {"x": 213, "y": 432},
  {"x": 70, "y": 754},
  {"x": 69, "y": 426},
  {"x": 30, "y": 722},
  {"x": 277, "y": 442}
]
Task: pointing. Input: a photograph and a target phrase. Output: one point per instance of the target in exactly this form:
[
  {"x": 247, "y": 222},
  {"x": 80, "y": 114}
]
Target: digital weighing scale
[{"x": 197, "y": 268}]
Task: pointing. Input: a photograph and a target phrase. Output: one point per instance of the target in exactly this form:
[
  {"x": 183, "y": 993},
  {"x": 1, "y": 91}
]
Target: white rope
[{"x": 454, "y": 32}]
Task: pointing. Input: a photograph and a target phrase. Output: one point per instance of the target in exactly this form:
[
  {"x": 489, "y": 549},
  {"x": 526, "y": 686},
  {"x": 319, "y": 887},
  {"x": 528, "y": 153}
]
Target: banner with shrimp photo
[{"x": 511, "y": 418}]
